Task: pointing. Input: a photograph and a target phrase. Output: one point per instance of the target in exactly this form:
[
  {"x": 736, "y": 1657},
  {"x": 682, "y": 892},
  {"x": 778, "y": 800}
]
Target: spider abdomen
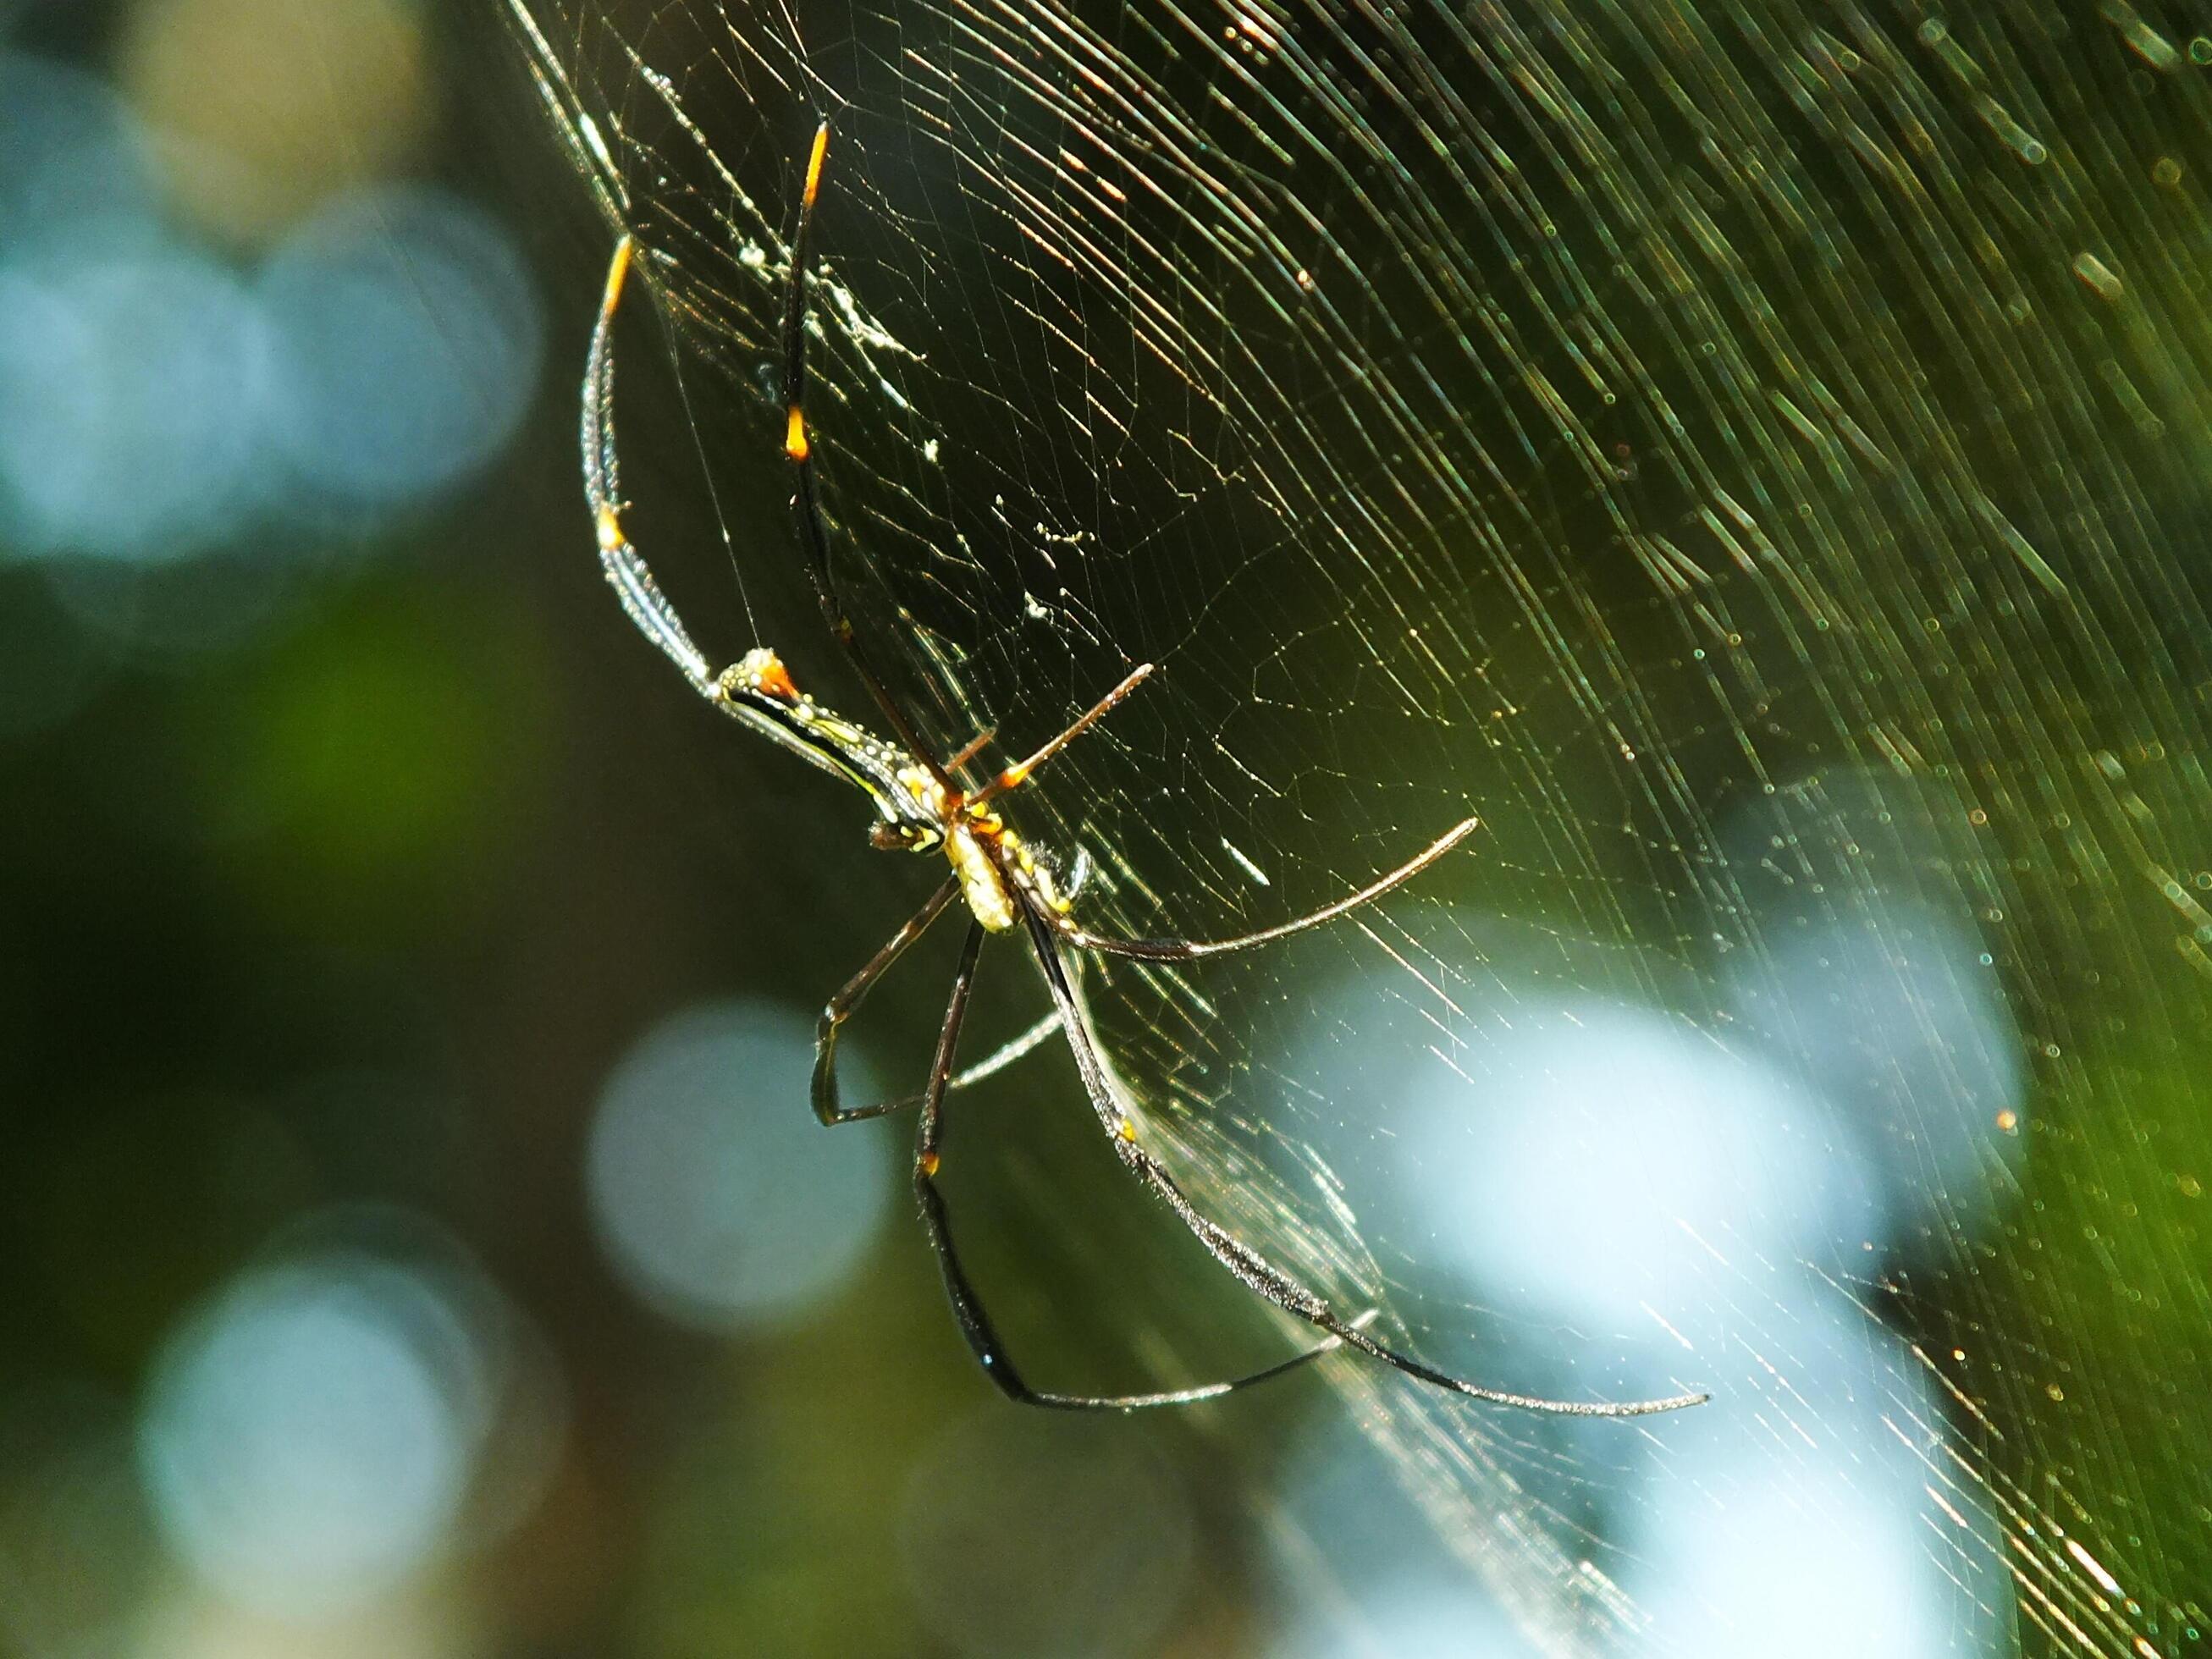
[{"x": 981, "y": 883}]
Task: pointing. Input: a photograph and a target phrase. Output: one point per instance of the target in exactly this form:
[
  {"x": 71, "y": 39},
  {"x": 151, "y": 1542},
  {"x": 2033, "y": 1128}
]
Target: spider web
[{"x": 1748, "y": 456}]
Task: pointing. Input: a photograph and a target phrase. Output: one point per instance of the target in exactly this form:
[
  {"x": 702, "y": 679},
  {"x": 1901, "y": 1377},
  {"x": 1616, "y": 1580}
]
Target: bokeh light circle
[
  {"x": 256, "y": 119},
  {"x": 300, "y": 1448},
  {"x": 1615, "y": 1152},
  {"x": 1433, "y": 1617},
  {"x": 1352, "y": 1566},
  {"x": 411, "y": 341},
  {"x": 1825, "y": 1535},
  {"x": 1898, "y": 1016},
  {"x": 131, "y": 373},
  {"x": 315, "y": 1434},
  {"x": 718, "y": 1196}
]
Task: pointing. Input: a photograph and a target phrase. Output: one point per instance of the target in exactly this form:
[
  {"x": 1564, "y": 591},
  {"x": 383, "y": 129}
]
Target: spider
[{"x": 921, "y": 806}]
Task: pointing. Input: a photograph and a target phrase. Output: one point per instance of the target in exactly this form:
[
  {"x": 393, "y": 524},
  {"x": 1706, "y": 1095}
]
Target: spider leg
[
  {"x": 847, "y": 1002},
  {"x": 1020, "y": 771},
  {"x": 798, "y": 448},
  {"x": 967, "y": 1307},
  {"x": 842, "y": 1006},
  {"x": 1185, "y": 950},
  {"x": 973, "y": 747},
  {"x": 1253, "y": 1269},
  {"x": 633, "y": 582}
]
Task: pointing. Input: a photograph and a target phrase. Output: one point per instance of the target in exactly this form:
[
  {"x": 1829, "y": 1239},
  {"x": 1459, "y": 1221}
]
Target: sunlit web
[{"x": 1750, "y": 456}]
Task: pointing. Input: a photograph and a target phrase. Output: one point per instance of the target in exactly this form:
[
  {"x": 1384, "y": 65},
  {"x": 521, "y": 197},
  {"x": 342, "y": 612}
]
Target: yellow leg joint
[
  {"x": 624, "y": 250},
  {"x": 814, "y": 163}
]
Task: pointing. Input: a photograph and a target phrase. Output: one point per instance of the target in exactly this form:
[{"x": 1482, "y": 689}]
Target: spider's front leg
[
  {"x": 1188, "y": 950},
  {"x": 625, "y": 569}
]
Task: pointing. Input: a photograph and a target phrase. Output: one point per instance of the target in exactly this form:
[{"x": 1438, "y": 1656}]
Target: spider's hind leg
[
  {"x": 1251, "y": 1268},
  {"x": 829, "y": 1109},
  {"x": 842, "y": 1006},
  {"x": 967, "y": 1306}
]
